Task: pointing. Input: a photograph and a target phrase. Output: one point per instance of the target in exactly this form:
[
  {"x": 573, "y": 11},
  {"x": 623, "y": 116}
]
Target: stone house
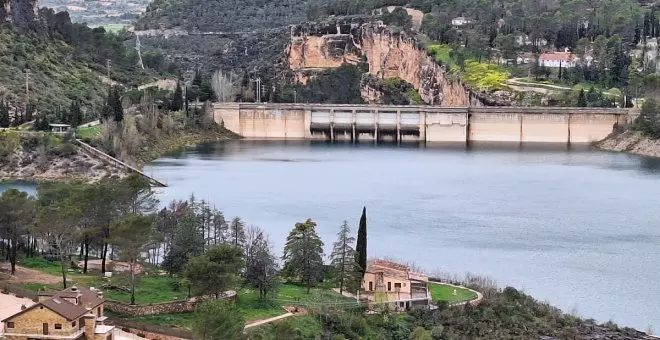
[
  {"x": 564, "y": 59},
  {"x": 387, "y": 282},
  {"x": 74, "y": 313}
]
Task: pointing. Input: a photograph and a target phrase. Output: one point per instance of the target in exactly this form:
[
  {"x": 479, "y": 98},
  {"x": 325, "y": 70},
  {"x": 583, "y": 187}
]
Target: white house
[
  {"x": 460, "y": 21},
  {"x": 558, "y": 59}
]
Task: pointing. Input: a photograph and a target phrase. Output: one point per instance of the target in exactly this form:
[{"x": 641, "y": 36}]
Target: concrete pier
[{"x": 419, "y": 123}]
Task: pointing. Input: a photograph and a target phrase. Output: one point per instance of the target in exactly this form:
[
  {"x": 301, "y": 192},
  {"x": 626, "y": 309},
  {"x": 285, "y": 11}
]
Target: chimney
[
  {"x": 74, "y": 289},
  {"x": 23, "y": 307}
]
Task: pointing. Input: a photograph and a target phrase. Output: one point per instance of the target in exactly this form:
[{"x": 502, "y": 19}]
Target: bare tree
[{"x": 224, "y": 85}]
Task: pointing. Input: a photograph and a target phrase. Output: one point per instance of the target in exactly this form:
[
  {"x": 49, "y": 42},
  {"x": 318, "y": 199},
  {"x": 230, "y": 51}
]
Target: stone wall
[{"x": 178, "y": 306}]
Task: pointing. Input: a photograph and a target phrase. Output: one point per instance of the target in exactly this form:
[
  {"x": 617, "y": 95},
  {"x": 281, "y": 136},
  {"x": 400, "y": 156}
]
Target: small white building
[
  {"x": 558, "y": 59},
  {"x": 460, "y": 21},
  {"x": 59, "y": 129}
]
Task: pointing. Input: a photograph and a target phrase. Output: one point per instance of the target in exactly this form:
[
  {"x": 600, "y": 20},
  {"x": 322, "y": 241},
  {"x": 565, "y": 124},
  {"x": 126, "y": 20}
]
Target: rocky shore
[
  {"x": 631, "y": 142},
  {"x": 35, "y": 167}
]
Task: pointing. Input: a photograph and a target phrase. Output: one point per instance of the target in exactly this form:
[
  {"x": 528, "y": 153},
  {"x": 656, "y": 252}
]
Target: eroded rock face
[
  {"x": 387, "y": 53},
  {"x": 18, "y": 13}
]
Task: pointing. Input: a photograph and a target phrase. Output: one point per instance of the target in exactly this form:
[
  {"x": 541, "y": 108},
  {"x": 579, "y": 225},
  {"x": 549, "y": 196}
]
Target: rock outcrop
[
  {"x": 631, "y": 142},
  {"x": 386, "y": 52},
  {"x": 18, "y": 13}
]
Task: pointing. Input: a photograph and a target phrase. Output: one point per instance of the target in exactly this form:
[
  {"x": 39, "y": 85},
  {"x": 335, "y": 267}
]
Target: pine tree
[
  {"x": 237, "y": 232},
  {"x": 343, "y": 255},
  {"x": 303, "y": 254},
  {"x": 361, "y": 247}
]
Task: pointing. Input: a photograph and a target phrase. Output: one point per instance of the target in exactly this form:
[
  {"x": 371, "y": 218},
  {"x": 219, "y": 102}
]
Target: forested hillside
[
  {"x": 222, "y": 15},
  {"x": 65, "y": 62}
]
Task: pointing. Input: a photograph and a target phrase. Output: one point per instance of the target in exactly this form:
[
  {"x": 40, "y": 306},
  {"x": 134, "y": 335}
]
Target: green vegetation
[
  {"x": 88, "y": 132},
  {"x": 441, "y": 292},
  {"x": 333, "y": 86},
  {"x": 484, "y": 76},
  {"x": 441, "y": 53}
]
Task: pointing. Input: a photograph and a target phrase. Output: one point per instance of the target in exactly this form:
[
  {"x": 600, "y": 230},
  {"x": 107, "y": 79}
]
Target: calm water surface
[{"x": 578, "y": 228}]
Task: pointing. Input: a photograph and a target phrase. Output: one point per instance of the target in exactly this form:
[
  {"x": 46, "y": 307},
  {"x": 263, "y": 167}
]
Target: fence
[
  {"x": 178, "y": 306},
  {"x": 149, "y": 331}
]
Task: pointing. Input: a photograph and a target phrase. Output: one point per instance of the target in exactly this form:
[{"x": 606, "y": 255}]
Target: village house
[
  {"x": 387, "y": 282},
  {"x": 564, "y": 59},
  {"x": 460, "y": 21},
  {"x": 74, "y": 313}
]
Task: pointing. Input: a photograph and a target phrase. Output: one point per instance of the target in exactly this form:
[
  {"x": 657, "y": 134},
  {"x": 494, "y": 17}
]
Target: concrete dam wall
[{"x": 419, "y": 123}]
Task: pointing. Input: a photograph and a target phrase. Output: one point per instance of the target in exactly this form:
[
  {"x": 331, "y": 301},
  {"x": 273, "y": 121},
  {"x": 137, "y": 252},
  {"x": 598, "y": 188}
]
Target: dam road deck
[{"x": 419, "y": 123}]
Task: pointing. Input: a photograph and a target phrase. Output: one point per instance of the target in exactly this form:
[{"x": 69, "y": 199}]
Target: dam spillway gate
[{"x": 419, "y": 123}]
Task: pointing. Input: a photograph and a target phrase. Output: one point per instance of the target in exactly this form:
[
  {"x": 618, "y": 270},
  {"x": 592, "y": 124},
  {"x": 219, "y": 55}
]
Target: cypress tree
[
  {"x": 582, "y": 100},
  {"x": 4, "y": 115},
  {"x": 117, "y": 110},
  {"x": 361, "y": 247},
  {"x": 176, "y": 103}
]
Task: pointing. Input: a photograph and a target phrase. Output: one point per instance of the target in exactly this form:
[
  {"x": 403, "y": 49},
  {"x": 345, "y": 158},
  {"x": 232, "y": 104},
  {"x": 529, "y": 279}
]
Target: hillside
[
  {"x": 222, "y": 15},
  {"x": 66, "y": 62}
]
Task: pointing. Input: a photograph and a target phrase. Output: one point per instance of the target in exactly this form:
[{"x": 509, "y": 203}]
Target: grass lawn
[
  {"x": 442, "y": 292},
  {"x": 253, "y": 309},
  {"x": 88, "y": 132}
]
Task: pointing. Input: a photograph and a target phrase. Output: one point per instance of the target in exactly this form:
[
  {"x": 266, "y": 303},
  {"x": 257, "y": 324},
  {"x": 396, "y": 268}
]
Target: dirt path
[{"x": 29, "y": 275}]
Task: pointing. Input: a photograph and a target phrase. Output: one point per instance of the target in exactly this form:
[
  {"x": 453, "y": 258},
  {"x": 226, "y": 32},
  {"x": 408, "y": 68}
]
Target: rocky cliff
[
  {"x": 18, "y": 13},
  {"x": 387, "y": 53}
]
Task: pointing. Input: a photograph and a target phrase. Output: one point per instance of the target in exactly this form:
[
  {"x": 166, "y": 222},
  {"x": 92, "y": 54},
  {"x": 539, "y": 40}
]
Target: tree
[
  {"x": 237, "y": 232},
  {"x": 75, "y": 117},
  {"x": 582, "y": 100},
  {"x": 58, "y": 216},
  {"x": 260, "y": 264},
  {"x": 419, "y": 333},
  {"x": 398, "y": 17},
  {"x": 187, "y": 241},
  {"x": 132, "y": 236},
  {"x": 17, "y": 214},
  {"x": 176, "y": 103},
  {"x": 4, "y": 114},
  {"x": 343, "y": 255},
  {"x": 303, "y": 254},
  {"x": 216, "y": 271},
  {"x": 137, "y": 195},
  {"x": 218, "y": 320},
  {"x": 361, "y": 247},
  {"x": 224, "y": 86},
  {"x": 113, "y": 108}
]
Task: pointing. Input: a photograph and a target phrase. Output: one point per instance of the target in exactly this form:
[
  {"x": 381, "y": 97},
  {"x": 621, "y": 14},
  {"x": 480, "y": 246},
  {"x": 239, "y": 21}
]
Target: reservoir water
[{"x": 578, "y": 228}]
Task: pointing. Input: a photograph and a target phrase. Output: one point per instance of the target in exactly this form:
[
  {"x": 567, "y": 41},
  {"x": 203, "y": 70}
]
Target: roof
[
  {"x": 58, "y": 303},
  {"x": 59, "y": 125},
  {"x": 559, "y": 56},
  {"x": 394, "y": 270},
  {"x": 103, "y": 329}
]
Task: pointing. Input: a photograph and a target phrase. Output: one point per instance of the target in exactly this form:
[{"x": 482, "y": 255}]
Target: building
[
  {"x": 558, "y": 59},
  {"x": 387, "y": 282},
  {"x": 59, "y": 129},
  {"x": 74, "y": 313},
  {"x": 460, "y": 21}
]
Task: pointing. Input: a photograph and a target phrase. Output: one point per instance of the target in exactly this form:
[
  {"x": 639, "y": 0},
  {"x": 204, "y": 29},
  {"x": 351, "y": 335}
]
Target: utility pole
[
  {"x": 259, "y": 88},
  {"x": 27, "y": 86}
]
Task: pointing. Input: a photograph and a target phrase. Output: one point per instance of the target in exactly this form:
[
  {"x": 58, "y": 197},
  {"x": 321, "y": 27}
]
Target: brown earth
[
  {"x": 24, "y": 275},
  {"x": 631, "y": 142}
]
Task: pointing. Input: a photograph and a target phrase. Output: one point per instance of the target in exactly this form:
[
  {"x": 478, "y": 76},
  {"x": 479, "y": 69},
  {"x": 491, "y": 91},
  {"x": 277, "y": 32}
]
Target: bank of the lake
[
  {"x": 571, "y": 226},
  {"x": 631, "y": 142}
]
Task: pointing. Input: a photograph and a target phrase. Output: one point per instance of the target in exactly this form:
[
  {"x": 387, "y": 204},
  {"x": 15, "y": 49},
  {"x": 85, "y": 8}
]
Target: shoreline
[{"x": 631, "y": 142}]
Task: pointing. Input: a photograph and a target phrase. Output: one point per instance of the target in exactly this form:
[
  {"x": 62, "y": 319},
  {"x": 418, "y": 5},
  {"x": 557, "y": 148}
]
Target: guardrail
[{"x": 115, "y": 161}]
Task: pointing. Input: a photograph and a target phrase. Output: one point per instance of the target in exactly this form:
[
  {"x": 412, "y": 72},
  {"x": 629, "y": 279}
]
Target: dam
[{"x": 419, "y": 123}]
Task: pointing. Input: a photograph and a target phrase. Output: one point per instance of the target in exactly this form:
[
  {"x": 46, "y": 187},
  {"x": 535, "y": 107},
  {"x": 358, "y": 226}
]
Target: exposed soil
[
  {"x": 632, "y": 142},
  {"x": 24, "y": 275}
]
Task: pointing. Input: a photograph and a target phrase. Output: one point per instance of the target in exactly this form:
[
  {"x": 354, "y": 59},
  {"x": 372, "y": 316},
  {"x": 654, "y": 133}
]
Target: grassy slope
[
  {"x": 441, "y": 292},
  {"x": 56, "y": 77}
]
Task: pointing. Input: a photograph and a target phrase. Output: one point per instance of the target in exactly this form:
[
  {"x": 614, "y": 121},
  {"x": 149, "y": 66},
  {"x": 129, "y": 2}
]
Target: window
[
  {"x": 98, "y": 311},
  {"x": 389, "y": 286},
  {"x": 10, "y": 325},
  {"x": 397, "y": 286},
  {"x": 58, "y": 326},
  {"x": 73, "y": 324},
  {"x": 371, "y": 285}
]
